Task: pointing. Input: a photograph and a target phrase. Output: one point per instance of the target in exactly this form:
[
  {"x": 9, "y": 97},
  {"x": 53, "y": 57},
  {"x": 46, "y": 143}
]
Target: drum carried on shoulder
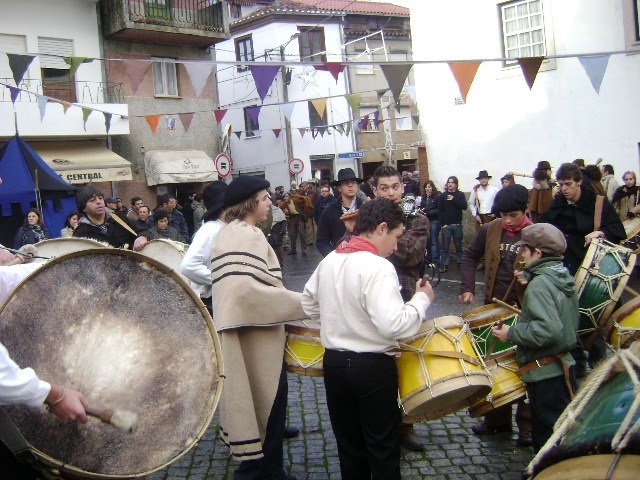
[
  {"x": 131, "y": 335},
  {"x": 56, "y": 247}
]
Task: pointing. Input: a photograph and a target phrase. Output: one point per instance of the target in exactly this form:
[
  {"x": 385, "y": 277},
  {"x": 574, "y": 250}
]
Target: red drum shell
[{"x": 130, "y": 334}]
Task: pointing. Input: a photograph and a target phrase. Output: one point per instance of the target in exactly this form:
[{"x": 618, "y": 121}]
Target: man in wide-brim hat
[
  {"x": 330, "y": 228},
  {"x": 481, "y": 199}
]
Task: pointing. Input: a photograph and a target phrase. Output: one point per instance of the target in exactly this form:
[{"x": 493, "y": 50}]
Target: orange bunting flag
[
  {"x": 153, "y": 120},
  {"x": 464, "y": 73},
  {"x": 65, "y": 106},
  {"x": 530, "y": 67}
]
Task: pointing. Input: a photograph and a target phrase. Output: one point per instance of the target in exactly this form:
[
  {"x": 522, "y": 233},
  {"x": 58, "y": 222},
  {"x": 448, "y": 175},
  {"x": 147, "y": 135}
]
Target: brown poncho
[{"x": 251, "y": 307}]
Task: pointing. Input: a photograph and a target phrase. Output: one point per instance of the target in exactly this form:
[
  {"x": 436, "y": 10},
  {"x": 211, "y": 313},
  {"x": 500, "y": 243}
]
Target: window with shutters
[
  {"x": 631, "y": 21},
  {"x": 165, "y": 77},
  {"x": 11, "y": 44},
  {"x": 312, "y": 44},
  {"x": 56, "y": 81},
  {"x": 251, "y": 127},
  {"x": 244, "y": 51}
]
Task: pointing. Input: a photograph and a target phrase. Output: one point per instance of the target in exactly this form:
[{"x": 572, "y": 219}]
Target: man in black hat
[
  {"x": 496, "y": 242},
  {"x": 330, "y": 228}
]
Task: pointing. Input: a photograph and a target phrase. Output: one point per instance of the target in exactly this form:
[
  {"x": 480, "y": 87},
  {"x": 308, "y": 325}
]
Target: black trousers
[
  {"x": 270, "y": 467},
  {"x": 548, "y": 399},
  {"x": 362, "y": 397}
]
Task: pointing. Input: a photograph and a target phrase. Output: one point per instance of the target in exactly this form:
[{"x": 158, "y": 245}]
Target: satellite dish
[{"x": 226, "y": 134}]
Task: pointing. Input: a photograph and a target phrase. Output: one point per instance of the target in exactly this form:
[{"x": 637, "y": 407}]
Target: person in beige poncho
[{"x": 251, "y": 308}]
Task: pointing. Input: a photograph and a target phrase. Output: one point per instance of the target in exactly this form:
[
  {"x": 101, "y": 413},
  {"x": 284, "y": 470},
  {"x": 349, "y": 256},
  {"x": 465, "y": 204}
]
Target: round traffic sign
[
  {"x": 223, "y": 165},
  {"x": 296, "y": 166}
]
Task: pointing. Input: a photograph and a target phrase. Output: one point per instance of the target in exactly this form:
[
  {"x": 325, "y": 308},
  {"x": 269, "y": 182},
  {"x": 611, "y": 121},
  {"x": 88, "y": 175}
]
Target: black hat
[
  {"x": 212, "y": 198},
  {"x": 483, "y": 174},
  {"x": 511, "y": 198},
  {"x": 507, "y": 176},
  {"x": 243, "y": 188},
  {"x": 344, "y": 175},
  {"x": 110, "y": 200},
  {"x": 543, "y": 165}
]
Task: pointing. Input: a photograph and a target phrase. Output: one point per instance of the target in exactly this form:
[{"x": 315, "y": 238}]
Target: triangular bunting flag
[
  {"x": 136, "y": 70},
  {"x": 254, "y": 112},
  {"x": 314, "y": 133},
  {"x": 530, "y": 67},
  {"x": 287, "y": 109},
  {"x": 42, "y": 105},
  {"x": 199, "y": 73},
  {"x": 219, "y": 114},
  {"x": 276, "y": 132},
  {"x": 186, "y": 118},
  {"x": 14, "y": 92},
  {"x": 399, "y": 122},
  {"x": 302, "y": 132},
  {"x": 347, "y": 128},
  {"x": 376, "y": 118},
  {"x": 363, "y": 124},
  {"x": 65, "y": 106},
  {"x": 263, "y": 77},
  {"x": 152, "y": 120},
  {"x": 320, "y": 104},
  {"x": 595, "y": 66},
  {"x": 85, "y": 116},
  {"x": 335, "y": 68},
  {"x": 340, "y": 128},
  {"x": 416, "y": 119},
  {"x": 381, "y": 93},
  {"x": 107, "y": 120},
  {"x": 464, "y": 73},
  {"x": 322, "y": 130},
  {"x": 353, "y": 99},
  {"x": 238, "y": 134},
  {"x": 396, "y": 75},
  {"x": 75, "y": 62},
  {"x": 19, "y": 65}
]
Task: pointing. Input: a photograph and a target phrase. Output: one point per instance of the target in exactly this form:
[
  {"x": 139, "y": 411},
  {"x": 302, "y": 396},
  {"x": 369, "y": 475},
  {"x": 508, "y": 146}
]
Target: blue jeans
[
  {"x": 448, "y": 231},
  {"x": 434, "y": 244}
]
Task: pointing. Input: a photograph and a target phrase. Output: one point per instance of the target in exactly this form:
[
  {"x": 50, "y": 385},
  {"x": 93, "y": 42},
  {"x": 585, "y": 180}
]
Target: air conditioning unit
[{"x": 406, "y": 154}]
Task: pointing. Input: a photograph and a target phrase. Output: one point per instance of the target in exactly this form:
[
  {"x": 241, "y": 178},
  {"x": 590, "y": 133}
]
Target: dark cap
[
  {"x": 243, "y": 188},
  {"x": 544, "y": 237},
  {"x": 110, "y": 200},
  {"x": 507, "y": 176},
  {"x": 345, "y": 175},
  {"x": 511, "y": 198},
  {"x": 212, "y": 198},
  {"x": 483, "y": 174},
  {"x": 543, "y": 165}
]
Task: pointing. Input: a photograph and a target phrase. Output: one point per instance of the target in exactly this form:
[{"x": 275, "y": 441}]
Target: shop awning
[
  {"x": 84, "y": 162},
  {"x": 178, "y": 166}
]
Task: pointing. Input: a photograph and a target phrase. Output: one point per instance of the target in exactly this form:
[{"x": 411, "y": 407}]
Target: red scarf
[
  {"x": 357, "y": 244},
  {"x": 512, "y": 231}
]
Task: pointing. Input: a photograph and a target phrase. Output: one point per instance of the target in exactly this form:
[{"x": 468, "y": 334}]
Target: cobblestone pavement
[{"x": 452, "y": 450}]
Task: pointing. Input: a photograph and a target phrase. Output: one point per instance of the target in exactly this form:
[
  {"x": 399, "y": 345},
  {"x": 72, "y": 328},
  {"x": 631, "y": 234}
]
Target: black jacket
[
  {"x": 110, "y": 232},
  {"x": 576, "y": 221},
  {"x": 330, "y": 228},
  {"x": 450, "y": 211}
]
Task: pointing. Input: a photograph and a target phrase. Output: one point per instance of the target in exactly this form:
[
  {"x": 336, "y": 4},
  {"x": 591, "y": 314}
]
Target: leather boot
[
  {"x": 409, "y": 439},
  {"x": 497, "y": 420},
  {"x": 523, "y": 420}
]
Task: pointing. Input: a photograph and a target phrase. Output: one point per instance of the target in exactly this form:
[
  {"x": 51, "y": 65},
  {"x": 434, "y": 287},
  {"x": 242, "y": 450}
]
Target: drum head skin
[
  {"x": 130, "y": 335},
  {"x": 56, "y": 247}
]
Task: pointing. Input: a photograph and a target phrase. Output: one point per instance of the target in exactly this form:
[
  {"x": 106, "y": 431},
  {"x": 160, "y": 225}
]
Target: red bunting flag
[{"x": 153, "y": 120}]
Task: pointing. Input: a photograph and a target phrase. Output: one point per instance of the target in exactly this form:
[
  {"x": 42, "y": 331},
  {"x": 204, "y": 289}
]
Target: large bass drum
[
  {"x": 130, "y": 334},
  {"x": 56, "y": 247}
]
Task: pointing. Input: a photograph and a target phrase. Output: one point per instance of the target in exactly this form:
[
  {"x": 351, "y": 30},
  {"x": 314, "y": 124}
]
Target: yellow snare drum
[
  {"x": 303, "y": 351},
  {"x": 626, "y": 324},
  {"x": 507, "y": 385},
  {"x": 439, "y": 370}
]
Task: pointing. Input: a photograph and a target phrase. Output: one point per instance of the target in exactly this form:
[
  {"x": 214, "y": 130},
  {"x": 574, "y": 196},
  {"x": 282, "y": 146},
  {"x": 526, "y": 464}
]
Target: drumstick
[
  {"x": 520, "y": 174},
  {"x": 121, "y": 419},
  {"x": 506, "y": 305}
]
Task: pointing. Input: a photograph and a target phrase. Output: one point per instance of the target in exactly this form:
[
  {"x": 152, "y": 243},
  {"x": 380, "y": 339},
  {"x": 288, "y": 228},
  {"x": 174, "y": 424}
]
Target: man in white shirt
[
  {"x": 481, "y": 200},
  {"x": 355, "y": 294}
]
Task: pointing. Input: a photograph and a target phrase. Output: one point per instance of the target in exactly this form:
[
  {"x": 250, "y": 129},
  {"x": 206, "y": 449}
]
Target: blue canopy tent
[{"x": 27, "y": 181}]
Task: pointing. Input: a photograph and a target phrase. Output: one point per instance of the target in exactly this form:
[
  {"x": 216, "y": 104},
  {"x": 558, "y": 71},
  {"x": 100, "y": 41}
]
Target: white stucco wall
[{"x": 506, "y": 127}]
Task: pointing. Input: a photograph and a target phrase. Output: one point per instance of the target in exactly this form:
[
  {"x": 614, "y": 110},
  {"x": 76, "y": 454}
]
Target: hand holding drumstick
[{"x": 423, "y": 285}]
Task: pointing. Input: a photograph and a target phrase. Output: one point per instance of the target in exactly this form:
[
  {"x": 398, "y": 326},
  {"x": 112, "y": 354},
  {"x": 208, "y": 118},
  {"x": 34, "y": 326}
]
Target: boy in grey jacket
[{"x": 547, "y": 327}]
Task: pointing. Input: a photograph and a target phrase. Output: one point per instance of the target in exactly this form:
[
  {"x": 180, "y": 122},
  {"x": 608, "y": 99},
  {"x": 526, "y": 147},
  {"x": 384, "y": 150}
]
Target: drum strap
[
  {"x": 460, "y": 355},
  {"x": 597, "y": 215},
  {"x": 547, "y": 361},
  {"x": 13, "y": 439},
  {"x": 123, "y": 224}
]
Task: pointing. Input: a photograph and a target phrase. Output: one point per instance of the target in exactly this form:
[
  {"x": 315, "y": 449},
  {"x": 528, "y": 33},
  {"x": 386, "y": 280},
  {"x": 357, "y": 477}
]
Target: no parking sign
[
  {"x": 223, "y": 165},
  {"x": 296, "y": 166}
]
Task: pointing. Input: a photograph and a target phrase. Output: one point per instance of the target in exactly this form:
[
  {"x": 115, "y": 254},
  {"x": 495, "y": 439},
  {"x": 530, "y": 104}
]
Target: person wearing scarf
[
  {"x": 32, "y": 230},
  {"x": 496, "y": 241},
  {"x": 626, "y": 198},
  {"x": 355, "y": 294},
  {"x": 251, "y": 307}
]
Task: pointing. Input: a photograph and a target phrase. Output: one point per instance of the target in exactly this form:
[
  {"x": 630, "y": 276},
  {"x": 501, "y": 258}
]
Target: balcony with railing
[
  {"x": 194, "y": 23},
  {"x": 24, "y": 116}
]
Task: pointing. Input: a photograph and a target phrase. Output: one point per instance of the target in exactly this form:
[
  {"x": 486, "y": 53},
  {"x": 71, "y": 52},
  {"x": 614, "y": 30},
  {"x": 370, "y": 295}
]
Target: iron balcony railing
[
  {"x": 195, "y": 14},
  {"x": 74, "y": 92}
]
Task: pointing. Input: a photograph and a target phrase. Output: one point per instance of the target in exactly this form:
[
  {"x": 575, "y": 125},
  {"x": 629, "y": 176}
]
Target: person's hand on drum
[
  {"x": 425, "y": 287},
  {"x": 466, "y": 298},
  {"x": 139, "y": 243},
  {"x": 588, "y": 238},
  {"x": 500, "y": 332},
  {"x": 67, "y": 404}
]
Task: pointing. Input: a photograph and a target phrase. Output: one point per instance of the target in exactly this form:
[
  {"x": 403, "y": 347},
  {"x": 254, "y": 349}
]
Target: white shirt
[
  {"x": 485, "y": 197},
  {"x": 20, "y": 385},
  {"x": 196, "y": 264},
  {"x": 11, "y": 276},
  {"x": 356, "y": 298}
]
